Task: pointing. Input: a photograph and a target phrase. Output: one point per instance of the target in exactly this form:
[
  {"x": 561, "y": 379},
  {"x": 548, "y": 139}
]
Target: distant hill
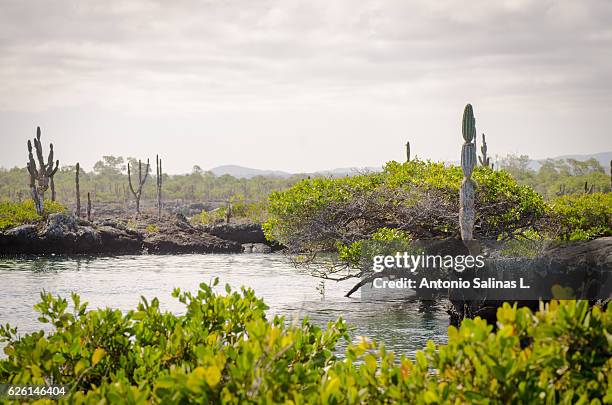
[{"x": 246, "y": 172}]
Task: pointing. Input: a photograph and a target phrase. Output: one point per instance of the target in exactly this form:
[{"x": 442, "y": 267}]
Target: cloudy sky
[{"x": 302, "y": 85}]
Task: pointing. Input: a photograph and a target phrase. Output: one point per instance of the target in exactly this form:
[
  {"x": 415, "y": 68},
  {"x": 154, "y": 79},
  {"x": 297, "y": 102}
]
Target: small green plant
[
  {"x": 152, "y": 228},
  {"x": 15, "y": 214}
]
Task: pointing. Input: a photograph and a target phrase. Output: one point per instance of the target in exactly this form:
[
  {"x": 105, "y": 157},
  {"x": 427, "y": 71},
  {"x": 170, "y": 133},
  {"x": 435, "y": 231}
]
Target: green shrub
[
  {"x": 224, "y": 350},
  {"x": 420, "y": 198},
  {"x": 582, "y": 216},
  {"x": 152, "y": 228},
  {"x": 242, "y": 211},
  {"x": 213, "y": 217},
  {"x": 15, "y": 214}
]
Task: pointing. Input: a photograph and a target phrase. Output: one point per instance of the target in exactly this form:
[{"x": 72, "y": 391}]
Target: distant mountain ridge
[{"x": 247, "y": 172}]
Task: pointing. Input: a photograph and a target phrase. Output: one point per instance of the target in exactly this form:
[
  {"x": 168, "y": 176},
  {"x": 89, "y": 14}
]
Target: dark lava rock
[
  {"x": 65, "y": 234},
  {"x": 189, "y": 242},
  {"x": 241, "y": 233}
]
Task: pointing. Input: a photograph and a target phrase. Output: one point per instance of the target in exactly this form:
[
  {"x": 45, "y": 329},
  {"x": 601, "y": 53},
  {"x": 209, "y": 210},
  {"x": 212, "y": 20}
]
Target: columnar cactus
[
  {"x": 141, "y": 182},
  {"x": 468, "y": 161},
  {"x": 78, "y": 191},
  {"x": 41, "y": 176},
  {"x": 407, "y": 151},
  {"x": 88, "y": 206},
  {"x": 159, "y": 185},
  {"x": 484, "y": 159}
]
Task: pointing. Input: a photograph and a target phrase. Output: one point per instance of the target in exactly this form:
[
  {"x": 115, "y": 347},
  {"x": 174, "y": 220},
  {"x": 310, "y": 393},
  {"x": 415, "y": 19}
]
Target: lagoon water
[{"x": 403, "y": 325}]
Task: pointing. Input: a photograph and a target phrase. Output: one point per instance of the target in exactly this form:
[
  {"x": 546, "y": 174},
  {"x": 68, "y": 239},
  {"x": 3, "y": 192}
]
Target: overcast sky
[{"x": 302, "y": 85}]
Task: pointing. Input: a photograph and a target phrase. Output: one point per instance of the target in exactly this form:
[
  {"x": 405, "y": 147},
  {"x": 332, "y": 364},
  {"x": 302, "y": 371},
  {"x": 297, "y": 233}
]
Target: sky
[{"x": 302, "y": 86}]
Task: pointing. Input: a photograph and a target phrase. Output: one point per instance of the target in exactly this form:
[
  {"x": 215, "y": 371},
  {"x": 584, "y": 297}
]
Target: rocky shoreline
[{"x": 145, "y": 234}]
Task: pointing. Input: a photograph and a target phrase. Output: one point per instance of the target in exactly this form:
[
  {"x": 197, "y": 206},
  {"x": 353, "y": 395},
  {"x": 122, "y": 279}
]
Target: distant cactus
[
  {"x": 484, "y": 159},
  {"x": 88, "y": 207},
  {"x": 141, "y": 181},
  {"x": 158, "y": 164},
  {"x": 78, "y": 191},
  {"x": 407, "y": 151},
  {"x": 43, "y": 175},
  {"x": 467, "y": 212},
  {"x": 588, "y": 189},
  {"x": 561, "y": 191}
]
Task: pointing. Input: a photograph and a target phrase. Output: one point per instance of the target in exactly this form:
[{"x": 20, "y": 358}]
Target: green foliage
[
  {"x": 555, "y": 177},
  {"x": 152, "y": 228},
  {"x": 560, "y": 355},
  {"x": 15, "y": 214},
  {"x": 212, "y": 217},
  {"x": 583, "y": 216},
  {"x": 242, "y": 211},
  {"x": 224, "y": 350},
  {"x": 426, "y": 191},
  {"x": 353, "y": 252}
]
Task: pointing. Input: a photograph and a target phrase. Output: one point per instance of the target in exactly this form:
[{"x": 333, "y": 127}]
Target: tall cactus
[
  {"x": 484, "y": 159},
  {"x": 467, "y": 212},
  {"x": 158, "y": 162},
  {"x": 407, "y": 151},
  {"x": 41, "y": 176},
  {"x": 141, "y": 182}
]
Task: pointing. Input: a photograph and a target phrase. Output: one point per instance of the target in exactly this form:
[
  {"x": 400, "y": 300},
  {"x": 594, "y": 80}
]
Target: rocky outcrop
[
  {"x": 65, "y": 234},
  {"x": 573, "y": 259},
  {"x": 241, "y": 233}
]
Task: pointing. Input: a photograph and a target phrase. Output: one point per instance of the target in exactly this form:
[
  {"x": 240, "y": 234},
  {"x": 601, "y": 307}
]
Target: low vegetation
[
  {"x": 224, "y": 349},
  {"x": 15, "y": 214}
]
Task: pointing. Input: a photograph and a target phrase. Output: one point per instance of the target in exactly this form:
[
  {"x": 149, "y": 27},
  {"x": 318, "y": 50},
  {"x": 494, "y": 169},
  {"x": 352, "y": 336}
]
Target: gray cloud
[{"x": 380, "y": 60}]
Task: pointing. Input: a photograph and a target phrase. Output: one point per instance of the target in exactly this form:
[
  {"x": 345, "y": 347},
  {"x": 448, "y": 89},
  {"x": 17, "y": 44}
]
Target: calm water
[{"x": 118, "y": 282}]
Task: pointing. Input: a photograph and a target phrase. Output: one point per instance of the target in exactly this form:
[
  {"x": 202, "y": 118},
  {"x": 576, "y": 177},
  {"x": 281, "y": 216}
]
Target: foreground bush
[
  {"x": 224, "y": 350},
  {"x": 15, "y": 214}
]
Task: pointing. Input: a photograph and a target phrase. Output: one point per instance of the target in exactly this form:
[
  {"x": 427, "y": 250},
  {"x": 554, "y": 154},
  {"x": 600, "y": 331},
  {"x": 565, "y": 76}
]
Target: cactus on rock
[
  {"x": 467, "y": 212},
  {"x": 41, "y": 176}
]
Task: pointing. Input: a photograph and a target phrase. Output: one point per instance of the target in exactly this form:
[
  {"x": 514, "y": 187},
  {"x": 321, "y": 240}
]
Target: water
[{"x": 402, "y": 325}]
